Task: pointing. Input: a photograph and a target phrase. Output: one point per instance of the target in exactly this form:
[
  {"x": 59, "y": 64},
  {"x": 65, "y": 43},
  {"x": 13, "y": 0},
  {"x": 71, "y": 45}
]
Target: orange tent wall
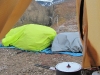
[
  {"x": 10, "y": 12},
  {"x": 91, "y": 31}
]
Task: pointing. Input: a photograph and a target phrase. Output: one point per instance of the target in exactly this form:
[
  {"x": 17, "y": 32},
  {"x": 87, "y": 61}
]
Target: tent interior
[{"x": 27, "y": 25}]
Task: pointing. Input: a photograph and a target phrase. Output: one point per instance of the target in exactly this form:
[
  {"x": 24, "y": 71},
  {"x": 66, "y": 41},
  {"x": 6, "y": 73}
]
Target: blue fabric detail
[{"x": 48, "y": 51}]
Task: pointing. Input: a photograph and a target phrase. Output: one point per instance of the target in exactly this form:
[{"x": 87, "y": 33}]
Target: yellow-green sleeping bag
[{"x": 32, "y": 37}]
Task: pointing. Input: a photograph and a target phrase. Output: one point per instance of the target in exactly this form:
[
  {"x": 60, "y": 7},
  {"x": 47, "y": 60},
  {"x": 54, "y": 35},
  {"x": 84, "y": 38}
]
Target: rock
[{"x": 37, "y": 14}]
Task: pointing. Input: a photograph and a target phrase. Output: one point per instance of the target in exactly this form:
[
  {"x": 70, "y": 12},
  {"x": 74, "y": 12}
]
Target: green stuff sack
[{"x": 32, "y": 37}]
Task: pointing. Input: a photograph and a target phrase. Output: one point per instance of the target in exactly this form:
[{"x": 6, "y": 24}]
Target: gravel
[{"x": 16, "y": 62}]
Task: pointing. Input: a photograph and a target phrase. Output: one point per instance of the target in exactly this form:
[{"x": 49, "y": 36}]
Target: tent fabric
[
  {"x": 10, "y": 12},
  {"x": 30, "y": 37},
  {"x": 91, "y": 29},
  {"x": 67, "y": 41}
]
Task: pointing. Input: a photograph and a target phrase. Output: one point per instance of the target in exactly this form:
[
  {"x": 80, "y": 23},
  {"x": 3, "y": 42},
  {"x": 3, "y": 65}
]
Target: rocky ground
[{"x": 15, "y": 62}]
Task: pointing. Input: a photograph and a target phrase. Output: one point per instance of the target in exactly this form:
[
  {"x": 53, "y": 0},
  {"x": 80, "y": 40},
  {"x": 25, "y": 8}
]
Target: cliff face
[
  {"x": 56, "y": 15},
  {"x": 65, "y": 17},
  {"x": 35, "y": 13}
]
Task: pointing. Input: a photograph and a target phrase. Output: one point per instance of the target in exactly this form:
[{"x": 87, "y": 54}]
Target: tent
[
  {"x": 88, "y": 16},
  {"x": 31, "y": 37},
  {"x": 67, "y": 41},
  {"x": 89, "y": 25},
  {"x": 10, "y": 12}
]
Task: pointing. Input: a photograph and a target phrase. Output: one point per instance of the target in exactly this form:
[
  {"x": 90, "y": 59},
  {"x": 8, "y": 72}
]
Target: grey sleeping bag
[{"x": 67, "y": 41}]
